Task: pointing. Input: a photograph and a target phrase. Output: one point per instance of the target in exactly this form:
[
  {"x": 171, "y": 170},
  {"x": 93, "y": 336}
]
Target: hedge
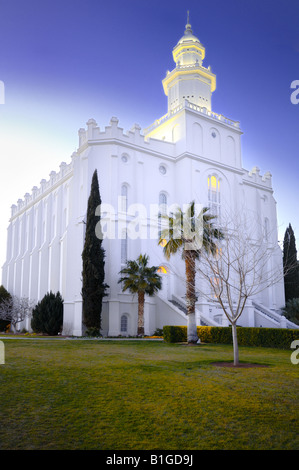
[{"x": 247, "y": 336}]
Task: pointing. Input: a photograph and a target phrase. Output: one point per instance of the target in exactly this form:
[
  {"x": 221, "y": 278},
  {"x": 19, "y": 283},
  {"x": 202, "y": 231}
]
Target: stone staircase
[{"x": 263, "y": 316}]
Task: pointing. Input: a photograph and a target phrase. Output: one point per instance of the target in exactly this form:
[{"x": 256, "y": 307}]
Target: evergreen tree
[
  {"x": 4, "y": 295},
  {"x": 47, "y": 316},
  {"x": 290, "y": 265},
  {"x": 291, "y": 310},
  {"x": 93, "y": 274}
]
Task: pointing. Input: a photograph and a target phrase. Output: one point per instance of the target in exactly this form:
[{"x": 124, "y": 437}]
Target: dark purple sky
[{"x": 63, "y": 62}]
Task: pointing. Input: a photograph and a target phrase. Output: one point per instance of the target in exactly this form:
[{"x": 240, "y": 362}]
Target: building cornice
[
  {"x": 197, "y": 70},
  {"x": 131, "y": 146},
  {"x": 56, "y": 180},
  {"x": 208, "y": 161}
]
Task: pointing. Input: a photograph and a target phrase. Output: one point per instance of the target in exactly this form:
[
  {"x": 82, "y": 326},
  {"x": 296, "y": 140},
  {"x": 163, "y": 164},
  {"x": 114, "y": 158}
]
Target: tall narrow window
[
  {"x": 124, "y": 324},
  {"x": 124, "y": 197},
  {"x": 162, "y": 202},
  {"x": 214, "y": 195},
  {"x": 266, "y": 229},
  {"x": 162, "y": 211},
  {"x": 124, "y": 248}
]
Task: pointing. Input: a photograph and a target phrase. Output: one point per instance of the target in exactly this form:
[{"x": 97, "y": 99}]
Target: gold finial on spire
[{"x": 188, "y": 17}]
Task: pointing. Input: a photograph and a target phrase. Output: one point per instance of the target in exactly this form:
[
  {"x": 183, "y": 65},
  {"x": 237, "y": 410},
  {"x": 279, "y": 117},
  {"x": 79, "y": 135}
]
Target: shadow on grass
[{"x": 241, "y": 365}]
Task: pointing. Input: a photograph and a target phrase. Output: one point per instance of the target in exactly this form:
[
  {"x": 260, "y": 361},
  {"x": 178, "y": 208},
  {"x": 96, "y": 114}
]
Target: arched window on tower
[
  {"x": 214, "y": 195},
  {"x": 124, "y": 197},
  {"x": 124, "y": 248},
  {"x": 266, "y": 229},
  {"x": 162, "y": 211}
]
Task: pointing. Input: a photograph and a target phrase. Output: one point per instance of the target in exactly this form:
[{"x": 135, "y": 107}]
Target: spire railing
[{"x": 200, "y": 109}]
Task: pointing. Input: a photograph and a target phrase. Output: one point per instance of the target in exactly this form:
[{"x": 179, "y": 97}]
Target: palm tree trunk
[
  {"x": 190, "y": 297},
  {"x": 140, "y": 328}
]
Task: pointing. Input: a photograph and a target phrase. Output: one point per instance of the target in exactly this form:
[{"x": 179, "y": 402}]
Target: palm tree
[
  {"x": 141, "y": 279},
  {"x": 189, "y": 233}
]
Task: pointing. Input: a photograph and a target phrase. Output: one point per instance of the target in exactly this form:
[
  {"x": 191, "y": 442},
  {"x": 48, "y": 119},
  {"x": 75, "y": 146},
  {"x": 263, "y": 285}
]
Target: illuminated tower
[{"x": 189, "y": 80}]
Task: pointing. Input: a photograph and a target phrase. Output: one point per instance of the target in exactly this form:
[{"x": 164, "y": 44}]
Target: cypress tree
[
  {"x": 290, "y": 265},
  {"x": 93, "y": 274}
]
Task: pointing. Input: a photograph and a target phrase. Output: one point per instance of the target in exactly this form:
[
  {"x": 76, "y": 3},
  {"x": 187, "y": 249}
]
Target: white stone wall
[
  {"x": 36, "y": 238},
  {"x": 46, "y": 232}
]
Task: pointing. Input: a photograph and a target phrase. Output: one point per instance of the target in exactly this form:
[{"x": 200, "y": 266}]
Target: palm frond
[{"x": 137, "y": 276}]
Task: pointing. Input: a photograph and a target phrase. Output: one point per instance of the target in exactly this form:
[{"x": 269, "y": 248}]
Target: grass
[{"x": 145, "y": 395}]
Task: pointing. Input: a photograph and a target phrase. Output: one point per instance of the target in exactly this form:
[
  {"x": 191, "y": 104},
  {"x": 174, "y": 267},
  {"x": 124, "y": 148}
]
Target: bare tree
[
  {"x": 248, "y": 261},
  {"x": 16, "y": 310}
]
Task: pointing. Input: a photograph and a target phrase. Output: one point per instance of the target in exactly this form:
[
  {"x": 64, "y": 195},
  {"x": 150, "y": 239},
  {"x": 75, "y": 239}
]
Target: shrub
[
  {"x": 158, "y": 332},
  {"x": 247, "y": 336},
  {"x": 291, "y": 310},
  {"x": 47, "y": 316},
  {"x": 4, "y": 295},
  {"x": 93, "y": 332},
  {"x": 175, "y": 334}
]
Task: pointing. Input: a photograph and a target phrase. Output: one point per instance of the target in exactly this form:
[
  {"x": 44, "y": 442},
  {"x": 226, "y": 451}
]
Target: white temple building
[{"x": 191, "y": 153}]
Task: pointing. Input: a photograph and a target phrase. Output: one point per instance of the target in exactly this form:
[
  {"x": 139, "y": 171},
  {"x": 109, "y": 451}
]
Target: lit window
[
  {"x": 214, "y": 195},
  {"x": 162, "y": 270}
]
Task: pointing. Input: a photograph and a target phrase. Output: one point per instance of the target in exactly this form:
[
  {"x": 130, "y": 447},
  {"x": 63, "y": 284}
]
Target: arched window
[
  {"x": 162, "y": 202},
  {"x": 266, "y": 229},
  {"x": 162, "y": 210},
  {"x": 124, "y": 248},
  {"x": 124, "y": 197},
  {"x": 162, "y": 270},
  {"x": 124, "y": 324},
  {"x": 214, "y": 195}
]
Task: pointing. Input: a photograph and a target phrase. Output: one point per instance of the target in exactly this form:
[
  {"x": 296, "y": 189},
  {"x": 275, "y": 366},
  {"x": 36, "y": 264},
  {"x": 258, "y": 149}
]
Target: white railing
[
  {"x": 199, "y": 109},
  {"x": 276, "y": 318},
  {"x": 207, "y": 320}
]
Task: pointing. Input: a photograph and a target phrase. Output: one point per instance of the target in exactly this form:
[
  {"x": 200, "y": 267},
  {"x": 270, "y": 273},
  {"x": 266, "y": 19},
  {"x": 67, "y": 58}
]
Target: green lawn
[{"x": 140, "y": 395}]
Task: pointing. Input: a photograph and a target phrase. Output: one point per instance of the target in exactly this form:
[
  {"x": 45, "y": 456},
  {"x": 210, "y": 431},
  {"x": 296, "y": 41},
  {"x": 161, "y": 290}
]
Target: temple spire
[
  {"x": 188, "y": 29},
  {"x": 190, "y": 80}
]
